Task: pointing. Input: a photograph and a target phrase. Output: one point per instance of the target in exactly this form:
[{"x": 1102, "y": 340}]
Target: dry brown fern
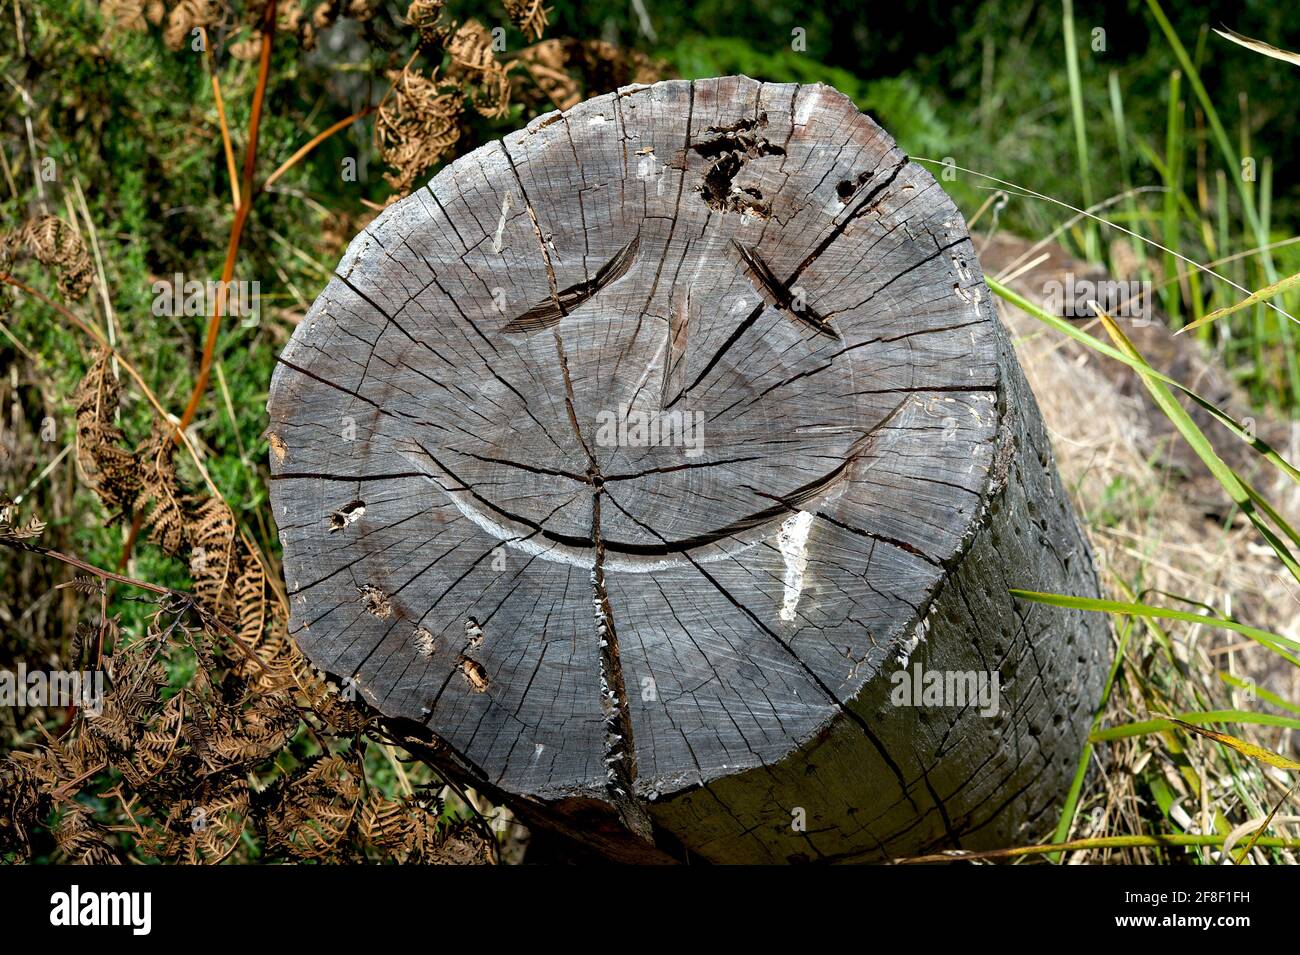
[
  {"x": 204, "y": 828},
  {"x": 313, "y": 812},
  {"x": 184, "y": 18},
  {"x": 134, "y": 15},
  {"x": 529, "y": 16},
  {"x": 17, "y": 532},
  {"x": 426, "y": 17},
  {"x": 211, "y": 533},
  {"x": 54, "y": 244},
  {"x": 105, "y": 465},
  {"x": 189, "y": 758},
  {"x": 201, "y": 764},
  {"x": 417, "y": 126},
  {"x": 475, "y": 66},
  {"x": 409, "y": 828},
  {"x": 159, "y": 497},
  {"x": 81, "y": 839},
  {"x": 212, "y": 725},
  {"x": 564, "y": 72}
]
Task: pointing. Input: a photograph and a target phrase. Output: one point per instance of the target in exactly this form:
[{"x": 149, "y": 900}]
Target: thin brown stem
[
  {"x": 126, "y": 365},
  {"x": 226, "y": 145},
  {"x": 186, "y": 599},
  {"x": 90, "y": 568},
  {"x": 312, "y": 144},
  {"x": 237, "y": 227}
]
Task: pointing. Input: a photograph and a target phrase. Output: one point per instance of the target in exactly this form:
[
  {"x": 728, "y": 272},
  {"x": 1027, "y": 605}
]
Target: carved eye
[
  {"x": 778, "y": 294},
  {"x": 547, "y": 314}
]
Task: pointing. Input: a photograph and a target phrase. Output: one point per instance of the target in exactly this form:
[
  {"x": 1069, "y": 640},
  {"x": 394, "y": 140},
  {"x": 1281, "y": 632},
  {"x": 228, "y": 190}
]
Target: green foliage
[{"x": 133, "y": 127}]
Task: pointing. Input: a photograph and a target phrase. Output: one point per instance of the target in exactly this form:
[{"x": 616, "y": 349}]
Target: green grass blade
[
  {"x": 1211, "y": 114},
  {"x": 1080, "y": 130},
  {"x": 1268, "y": 821},
  {"x": 1271, "y": 513},
  {"x": 1241, "y": 746},
  {"x": 1274, "y": 641},
  {"x": 1096, "y": 344},
  {"x": 1263, "y": 295},
  {"x": 1233, "y": 160},
  {"x": 1177, "y": 839},
  {"x": 1266, "y": 695},
  {"x": 1173, "y": 173},
  {"x": 1161, "y": 725},
  {"x": 1259, "y": 46},
  {"x": 1196, "y": 439}
]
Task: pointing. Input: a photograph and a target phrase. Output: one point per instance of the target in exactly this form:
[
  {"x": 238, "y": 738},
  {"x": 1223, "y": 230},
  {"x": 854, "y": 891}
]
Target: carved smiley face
[{"x": 646, "y": 400}]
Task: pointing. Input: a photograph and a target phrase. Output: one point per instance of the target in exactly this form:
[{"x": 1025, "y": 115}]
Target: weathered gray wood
[{"x": 690, "y": 645}]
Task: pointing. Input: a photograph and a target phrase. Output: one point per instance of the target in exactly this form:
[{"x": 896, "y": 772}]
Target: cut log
[{"x": 666, "y": 462}]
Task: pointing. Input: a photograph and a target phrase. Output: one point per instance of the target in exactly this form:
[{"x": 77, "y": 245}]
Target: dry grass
[{"x": 1162, "y": 531}]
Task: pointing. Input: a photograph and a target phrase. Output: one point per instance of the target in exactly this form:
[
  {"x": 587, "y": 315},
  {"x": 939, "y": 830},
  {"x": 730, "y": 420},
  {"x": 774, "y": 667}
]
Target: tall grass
[
  {"x": 1273, "y": 529},
  {"x": 1245, "y": 171},
  {"x": 1204, "y": 224},
  {"x": 1076, "y": 115}
]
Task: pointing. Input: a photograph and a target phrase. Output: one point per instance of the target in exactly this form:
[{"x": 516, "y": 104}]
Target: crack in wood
[{"x": 619, "y": 749}]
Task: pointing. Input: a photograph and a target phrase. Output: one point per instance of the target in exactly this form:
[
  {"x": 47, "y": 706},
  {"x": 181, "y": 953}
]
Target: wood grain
[{"x": 688, "y": 644}]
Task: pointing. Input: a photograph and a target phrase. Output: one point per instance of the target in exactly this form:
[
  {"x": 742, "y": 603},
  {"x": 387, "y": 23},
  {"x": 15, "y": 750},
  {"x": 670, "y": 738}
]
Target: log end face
[{"x": 627, "y": 455}]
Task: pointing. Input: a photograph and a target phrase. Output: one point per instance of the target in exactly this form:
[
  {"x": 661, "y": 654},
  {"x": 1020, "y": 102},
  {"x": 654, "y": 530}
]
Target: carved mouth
[{"x": 534, "y": 538}]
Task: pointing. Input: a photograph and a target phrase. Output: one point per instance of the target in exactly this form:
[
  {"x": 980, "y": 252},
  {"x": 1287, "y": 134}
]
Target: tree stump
[{"x": 656, "y": 458}]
